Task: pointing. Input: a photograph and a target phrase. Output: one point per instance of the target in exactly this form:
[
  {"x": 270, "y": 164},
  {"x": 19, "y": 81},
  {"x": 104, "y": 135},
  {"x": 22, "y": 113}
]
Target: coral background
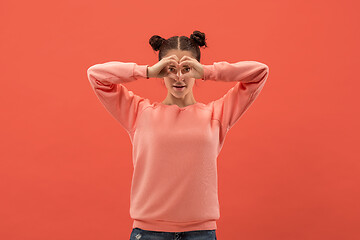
[{"x": 289, "y": 168}]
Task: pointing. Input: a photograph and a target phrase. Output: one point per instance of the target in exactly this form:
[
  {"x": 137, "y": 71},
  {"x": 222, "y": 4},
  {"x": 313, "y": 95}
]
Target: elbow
[
  {"x": 90, "y": 70},
  {"x": 261, "y": 72},
  {"x": 264, "y": 68},
  {"x": 91, "y": 75},
  {"x": 264, "y": 72}
]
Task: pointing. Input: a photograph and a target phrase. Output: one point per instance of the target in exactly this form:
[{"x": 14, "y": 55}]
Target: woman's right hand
[{"x": 161, "y": 68}]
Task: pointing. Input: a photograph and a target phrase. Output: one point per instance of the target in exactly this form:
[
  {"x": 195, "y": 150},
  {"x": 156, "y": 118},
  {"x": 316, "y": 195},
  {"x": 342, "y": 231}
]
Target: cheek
[
  {"x": 167, "y": 82},
  {"x": 191, "y": 84}
]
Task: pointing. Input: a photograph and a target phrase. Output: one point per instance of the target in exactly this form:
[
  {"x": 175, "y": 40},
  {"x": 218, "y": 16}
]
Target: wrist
[{"x": 149, "y": 72}]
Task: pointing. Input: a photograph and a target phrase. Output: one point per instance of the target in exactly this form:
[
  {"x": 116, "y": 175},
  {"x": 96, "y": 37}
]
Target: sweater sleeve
[
  {"x": 106, "y": 79},
  {"x": 250, "y": 77}
]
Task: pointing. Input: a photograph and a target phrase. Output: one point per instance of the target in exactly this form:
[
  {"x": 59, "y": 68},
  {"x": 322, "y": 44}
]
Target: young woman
[{"x": 176, "y": 142}]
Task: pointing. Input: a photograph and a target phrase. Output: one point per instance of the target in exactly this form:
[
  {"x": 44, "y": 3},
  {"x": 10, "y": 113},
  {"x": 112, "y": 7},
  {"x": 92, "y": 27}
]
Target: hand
[
  {"x": 161, "y": 69},
  {"x": 196, "y": 68}
]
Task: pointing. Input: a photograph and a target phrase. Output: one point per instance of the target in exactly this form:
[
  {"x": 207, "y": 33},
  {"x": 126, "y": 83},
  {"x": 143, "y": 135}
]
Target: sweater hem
[{"x": 164, "y": 226}]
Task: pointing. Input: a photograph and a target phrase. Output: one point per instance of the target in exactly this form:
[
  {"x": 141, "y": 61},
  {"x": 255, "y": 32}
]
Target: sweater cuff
[
  {"x": 209, "y": 72},
  {"x": 140, "y": 71}
]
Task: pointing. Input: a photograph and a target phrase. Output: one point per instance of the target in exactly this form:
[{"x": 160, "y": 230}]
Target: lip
[{"x": 179, "y": 89}]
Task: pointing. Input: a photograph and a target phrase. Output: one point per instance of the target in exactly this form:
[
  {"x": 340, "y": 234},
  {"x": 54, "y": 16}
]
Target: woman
[{"x": 176, "y": 142}]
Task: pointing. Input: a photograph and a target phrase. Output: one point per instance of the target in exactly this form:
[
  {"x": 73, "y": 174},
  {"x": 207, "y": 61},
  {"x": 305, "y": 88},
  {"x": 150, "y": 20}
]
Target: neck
[{"x": 181, "y": 102}]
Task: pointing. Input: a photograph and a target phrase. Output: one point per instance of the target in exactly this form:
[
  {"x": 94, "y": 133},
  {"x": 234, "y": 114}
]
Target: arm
[
  {"x": 250, "y": 77},
  {"x": 106, "y": 80}
]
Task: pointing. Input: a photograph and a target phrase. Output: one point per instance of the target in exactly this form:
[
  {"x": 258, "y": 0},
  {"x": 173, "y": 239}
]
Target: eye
[{"x": 186, "y": 69}]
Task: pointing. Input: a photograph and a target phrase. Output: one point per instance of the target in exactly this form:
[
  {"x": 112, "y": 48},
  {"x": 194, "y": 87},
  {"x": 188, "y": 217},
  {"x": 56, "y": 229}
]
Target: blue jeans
[{"x": 141, "y": 234}]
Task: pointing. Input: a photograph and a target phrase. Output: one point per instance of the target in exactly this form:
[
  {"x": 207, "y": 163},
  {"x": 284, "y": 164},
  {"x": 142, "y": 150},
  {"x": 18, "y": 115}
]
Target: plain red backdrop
[{"x": 289, "y": 168}]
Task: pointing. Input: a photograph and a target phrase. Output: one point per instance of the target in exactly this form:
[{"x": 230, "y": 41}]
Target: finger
[
  {"x": 186, "y": 75},
  {"x": 187, "y": 58},
  {"x": 184, "y": 58},
  {"x": 186, "y": 62},
  {"x": 172, "y": 61},
  {"x": 174, "y": 57},
  {"x": 173, "y": 76},
  {"x": 170, "y": 73},
  {"x": 185, "y": 70},
  {"x": 172, "y": 66}
]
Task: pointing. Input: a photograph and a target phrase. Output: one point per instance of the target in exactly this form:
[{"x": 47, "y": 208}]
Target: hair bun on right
[{"x": 199, "y": 38}]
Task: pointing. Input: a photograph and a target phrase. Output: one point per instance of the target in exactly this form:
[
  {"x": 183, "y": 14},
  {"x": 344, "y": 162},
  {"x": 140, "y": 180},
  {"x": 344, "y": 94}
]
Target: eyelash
[{"x": 174, "y": 68}]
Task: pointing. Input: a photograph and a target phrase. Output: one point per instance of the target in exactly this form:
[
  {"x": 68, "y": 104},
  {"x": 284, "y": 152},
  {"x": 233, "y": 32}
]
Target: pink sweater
[{"x": 175, "y": 149}]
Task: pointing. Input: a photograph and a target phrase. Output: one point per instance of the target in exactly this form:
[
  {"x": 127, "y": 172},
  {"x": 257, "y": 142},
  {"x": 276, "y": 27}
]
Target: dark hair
[{"x": 192, "y": 44}]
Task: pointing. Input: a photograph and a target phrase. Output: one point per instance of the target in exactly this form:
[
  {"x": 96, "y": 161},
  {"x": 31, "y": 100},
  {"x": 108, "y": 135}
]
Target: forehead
[{"x": 179, "y": 53}]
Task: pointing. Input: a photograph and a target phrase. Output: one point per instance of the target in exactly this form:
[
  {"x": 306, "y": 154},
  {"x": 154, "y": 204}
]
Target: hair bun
[
  {"x": 156, "y": 41},
  {"x": 199, "y": 38}
]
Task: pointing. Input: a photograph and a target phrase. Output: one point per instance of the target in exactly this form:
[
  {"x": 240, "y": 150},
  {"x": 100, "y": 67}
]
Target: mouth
[{"x": 179, "y": 88}]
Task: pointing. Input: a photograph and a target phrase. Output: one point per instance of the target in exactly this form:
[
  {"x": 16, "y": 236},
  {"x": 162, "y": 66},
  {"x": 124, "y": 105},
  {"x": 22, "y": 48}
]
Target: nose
[
  {"x": 179, "y": 79},
  {"x": 180, "y": 73},
  {"x": 180, "y": 76}
]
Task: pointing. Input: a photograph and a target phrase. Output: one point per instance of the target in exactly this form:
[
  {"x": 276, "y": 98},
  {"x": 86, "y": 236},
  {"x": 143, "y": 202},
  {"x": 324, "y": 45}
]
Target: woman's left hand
[{"x": 196, "y": 68}]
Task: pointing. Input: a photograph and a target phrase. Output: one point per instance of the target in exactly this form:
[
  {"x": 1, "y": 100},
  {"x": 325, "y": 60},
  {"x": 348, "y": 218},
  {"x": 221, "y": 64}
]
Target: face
[{"x": 182, "y": 80}]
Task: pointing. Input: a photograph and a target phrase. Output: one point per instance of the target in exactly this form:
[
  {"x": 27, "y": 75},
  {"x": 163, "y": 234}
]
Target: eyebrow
[{"x": 174, "y": 65}]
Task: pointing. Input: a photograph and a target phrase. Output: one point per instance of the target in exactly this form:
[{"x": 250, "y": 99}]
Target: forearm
[
  {"x": 115, "y": 72},
  {"x": 243, "y": 71}
]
